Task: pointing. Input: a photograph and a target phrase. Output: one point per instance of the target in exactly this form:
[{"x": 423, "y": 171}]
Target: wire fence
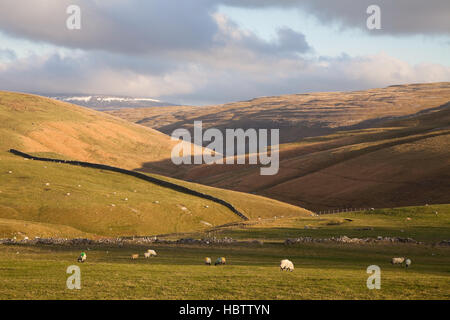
[{"x": 335, "y": 211}]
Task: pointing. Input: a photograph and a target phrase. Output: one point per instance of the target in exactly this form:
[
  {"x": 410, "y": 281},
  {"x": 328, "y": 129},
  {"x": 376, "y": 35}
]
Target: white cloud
[
  {"x": 398, "y": 16},
  {"x": 162, "y": 50}
]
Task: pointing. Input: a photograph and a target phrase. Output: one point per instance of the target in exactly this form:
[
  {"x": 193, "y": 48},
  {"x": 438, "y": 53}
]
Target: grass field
[
  {"x": 59, "y": 200},
  {"x": 322, "y": 271},
  {"x": 420, "y": 223}
]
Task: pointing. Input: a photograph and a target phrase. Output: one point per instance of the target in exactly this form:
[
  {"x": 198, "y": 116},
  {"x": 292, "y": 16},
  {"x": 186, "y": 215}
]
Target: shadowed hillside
[{"x": 402, "y": 162}]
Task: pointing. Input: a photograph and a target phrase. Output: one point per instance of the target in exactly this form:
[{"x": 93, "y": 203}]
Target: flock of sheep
[
  {"x": 148, "y": 254},
  {"x": 285, "y": 264},
  {"x": 401, "y": 260}
]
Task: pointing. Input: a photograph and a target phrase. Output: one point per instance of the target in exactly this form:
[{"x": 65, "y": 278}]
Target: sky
[{"x": 202, "y": 52}]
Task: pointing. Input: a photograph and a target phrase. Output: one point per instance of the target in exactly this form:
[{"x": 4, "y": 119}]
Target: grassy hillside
[
  {"x": 58, "y": 200},
  {"x": 41, "y": 125},
  {"x": 94, "y": 202}
]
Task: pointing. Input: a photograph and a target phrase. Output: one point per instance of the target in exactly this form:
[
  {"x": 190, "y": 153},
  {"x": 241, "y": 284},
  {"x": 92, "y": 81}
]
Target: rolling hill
[
  {"x": 376, "y": 148},
  {"x": 300, "y": 115},
  {"x": 403, "y": 162},
  {"x": 55, "y": 199},
  {"x": 42, "y": 125}
]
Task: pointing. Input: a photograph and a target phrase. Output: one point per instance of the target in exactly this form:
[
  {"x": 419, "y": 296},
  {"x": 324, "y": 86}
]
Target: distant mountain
[
  {"x": 380, "y": 148},
  {"x": 300, "y": 116},
  {"x": 105, "y": 102}
]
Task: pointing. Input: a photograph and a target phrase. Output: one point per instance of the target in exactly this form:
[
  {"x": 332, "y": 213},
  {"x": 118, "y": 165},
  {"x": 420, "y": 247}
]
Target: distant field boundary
[{"x": 138, "y": 175}]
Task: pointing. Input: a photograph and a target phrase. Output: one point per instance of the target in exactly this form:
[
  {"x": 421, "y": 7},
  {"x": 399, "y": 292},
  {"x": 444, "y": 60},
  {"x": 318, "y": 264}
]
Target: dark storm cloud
[
  {"x": 398, "y": 16},
  {"x": 288, "y": 42},
  {"x": 134, "y": 26},
  {"x": 146, "y": 26}
]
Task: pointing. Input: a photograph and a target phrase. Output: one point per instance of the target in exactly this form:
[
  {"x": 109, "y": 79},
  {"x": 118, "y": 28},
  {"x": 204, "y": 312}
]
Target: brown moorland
[
  {"x": 376, "y": 148},
  {"x": 402, "y": 162},
  {"x": 299, "y": 115}
]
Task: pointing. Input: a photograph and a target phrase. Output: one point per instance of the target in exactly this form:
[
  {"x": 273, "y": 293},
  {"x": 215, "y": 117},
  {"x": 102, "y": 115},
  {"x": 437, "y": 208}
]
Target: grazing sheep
[
  {"x": 134, "y": 256},
  {"x": 220, "y": 261},
  {"x": 399, "y": 260},
  {"x": 208, "y": 261},
  {"x": 407, "y": 263},
  {"x": 146, "y": 255},
  {"x": 286, "y": 265},
  {"x": 82, "y": 257},
  {"x": 152, "y": 253}
]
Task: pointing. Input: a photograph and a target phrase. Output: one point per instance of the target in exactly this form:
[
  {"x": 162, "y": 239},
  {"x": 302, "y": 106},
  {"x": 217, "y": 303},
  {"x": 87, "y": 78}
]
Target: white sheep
[
  {"x": 151, "y": 253},
  {"x": 398, "y": 260},
  {"x": 407, "y": 263},
  {"x": 286, "y": 265}
]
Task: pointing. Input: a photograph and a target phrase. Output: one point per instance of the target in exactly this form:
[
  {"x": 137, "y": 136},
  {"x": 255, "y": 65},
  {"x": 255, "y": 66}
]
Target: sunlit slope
[
  {"x": 49, "y": 199},
  {"x": 37, "y": 124},
  {"x": 94, "y": 202}
]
